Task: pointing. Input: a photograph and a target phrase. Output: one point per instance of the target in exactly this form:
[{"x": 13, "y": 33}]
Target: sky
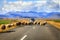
[{"x": 29, "y": 5}]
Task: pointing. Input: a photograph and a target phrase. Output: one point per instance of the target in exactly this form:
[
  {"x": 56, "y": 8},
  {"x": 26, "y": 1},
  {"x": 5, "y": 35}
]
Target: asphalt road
[{"x": 32, "y": 32}]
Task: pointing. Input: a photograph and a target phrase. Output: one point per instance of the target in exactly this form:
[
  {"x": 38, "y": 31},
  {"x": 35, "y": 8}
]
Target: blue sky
[{"x": 29, "y": 5}]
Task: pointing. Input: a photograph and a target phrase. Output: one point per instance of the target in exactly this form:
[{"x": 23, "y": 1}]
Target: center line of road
[
  {"x": 23, "y": 37},
  {"x": 33, "y": 27}
]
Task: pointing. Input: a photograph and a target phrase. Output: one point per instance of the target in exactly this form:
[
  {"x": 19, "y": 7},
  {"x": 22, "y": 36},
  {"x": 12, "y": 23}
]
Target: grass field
[
  {"x": 6, "y": 21},
  {"x": 56, "y": 20}
]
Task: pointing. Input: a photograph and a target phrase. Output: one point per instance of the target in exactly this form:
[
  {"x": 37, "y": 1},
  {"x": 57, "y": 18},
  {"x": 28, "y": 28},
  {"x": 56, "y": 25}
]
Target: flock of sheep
[{"x": 6, "y": 27}]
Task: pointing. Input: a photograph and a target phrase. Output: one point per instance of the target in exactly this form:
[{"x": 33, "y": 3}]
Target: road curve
[{"x": 32, "y": 32}]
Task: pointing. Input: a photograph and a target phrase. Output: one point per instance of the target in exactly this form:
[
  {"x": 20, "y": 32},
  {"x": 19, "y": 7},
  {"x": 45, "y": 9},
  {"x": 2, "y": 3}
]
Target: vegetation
[
  {"x": 56, "y": 20},
  {"x": 6, "y": 21}
]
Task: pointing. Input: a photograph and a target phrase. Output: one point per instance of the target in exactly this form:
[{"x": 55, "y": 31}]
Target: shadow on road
[{"x": 8, "y": 31}]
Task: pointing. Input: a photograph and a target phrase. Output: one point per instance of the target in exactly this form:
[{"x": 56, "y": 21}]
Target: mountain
[
  {"x": 31, "y": 14},
  {"x": 55, "y": 15},
  {"x": 3, "y": 16}
]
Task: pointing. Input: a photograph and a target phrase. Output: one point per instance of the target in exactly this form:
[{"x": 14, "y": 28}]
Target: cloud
[
  {"x": 16, "y": 6},
  {"x": 22, "y": 6},
  {"x": 39, "y": 6}
]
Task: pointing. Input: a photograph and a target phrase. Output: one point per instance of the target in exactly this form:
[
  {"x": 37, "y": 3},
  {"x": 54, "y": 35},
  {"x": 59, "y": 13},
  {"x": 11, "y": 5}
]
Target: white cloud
[
  {"x": 56, "y": 1},
  {"x": 30, "y": 6},
  {"x": 16, "y": 6},
  {"x": 22, "y": 6}
]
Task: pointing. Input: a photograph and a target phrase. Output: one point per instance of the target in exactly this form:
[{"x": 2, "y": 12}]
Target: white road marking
[
  {"x": 23, "y": 37},
  {"x": 33, "y": 27}
]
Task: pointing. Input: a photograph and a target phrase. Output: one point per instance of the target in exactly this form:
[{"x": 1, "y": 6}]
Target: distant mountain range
[
  {"x": 55, "y": 15},
  {"x": 31, "y": 14}
]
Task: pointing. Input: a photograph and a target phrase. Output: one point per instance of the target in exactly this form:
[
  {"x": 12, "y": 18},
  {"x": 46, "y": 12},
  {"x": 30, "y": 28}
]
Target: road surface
[{"x": 32, "y": 32}]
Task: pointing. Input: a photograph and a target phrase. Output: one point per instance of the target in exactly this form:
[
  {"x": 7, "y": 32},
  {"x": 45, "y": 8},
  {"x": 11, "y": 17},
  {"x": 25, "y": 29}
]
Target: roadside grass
[
  {"x": 56, "y": 20},
  {"x": 55, "y": 23}
]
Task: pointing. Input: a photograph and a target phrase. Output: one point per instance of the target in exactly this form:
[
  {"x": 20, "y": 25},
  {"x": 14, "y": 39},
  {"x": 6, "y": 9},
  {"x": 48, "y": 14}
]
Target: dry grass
[{"x": 55, "y": 24}]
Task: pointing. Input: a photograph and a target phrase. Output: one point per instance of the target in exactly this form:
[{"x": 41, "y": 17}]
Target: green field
[
  {"x": 56, "y": 20},
  {"x": 6, "y": 21}
]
